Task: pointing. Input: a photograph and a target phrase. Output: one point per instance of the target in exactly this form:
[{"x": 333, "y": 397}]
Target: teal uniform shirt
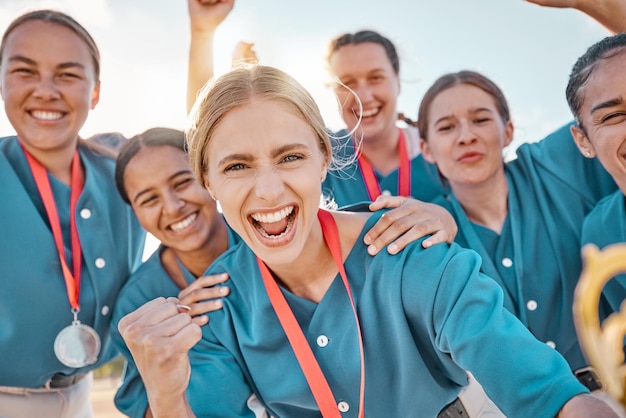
[
  {"x": 149, "y": 282},
  {"x": 347, "y": 186},
  {"x": 606, "y": 225},
  {"x": 426, "y": 317},
  {"x": 536, "y": 257},
  {"x": 34, "y": 304}
]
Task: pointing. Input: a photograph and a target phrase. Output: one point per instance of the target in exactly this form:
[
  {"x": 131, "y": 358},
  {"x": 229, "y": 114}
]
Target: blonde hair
[{"x": 237, "y": 88}]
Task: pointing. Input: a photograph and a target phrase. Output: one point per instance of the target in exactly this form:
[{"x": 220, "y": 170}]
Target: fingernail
[
  {"x": 367, "y": 240},
  {"x": 182, "y": 308},
  {"x": 204, "y": 319},
  {"x": 371, "y": 250},
  {"x": 223, "y": 291},
  {"x": 392, "y": 248}
]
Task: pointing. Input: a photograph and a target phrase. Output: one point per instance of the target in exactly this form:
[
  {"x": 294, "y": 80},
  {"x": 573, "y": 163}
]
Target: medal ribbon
[
  {"x": 404, "y": 171},
  {"x": 312, "y": 372},
  {"x": 72, "y": 281}
]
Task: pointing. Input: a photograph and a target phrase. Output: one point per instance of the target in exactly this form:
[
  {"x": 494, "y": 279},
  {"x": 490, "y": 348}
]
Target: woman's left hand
[
  {"x": 409, "y": 221},
  {"x": 203, "y": 295}
]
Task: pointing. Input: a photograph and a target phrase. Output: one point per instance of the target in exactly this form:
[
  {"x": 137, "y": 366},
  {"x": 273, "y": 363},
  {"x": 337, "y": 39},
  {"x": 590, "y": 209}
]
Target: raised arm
[
  {"x": 205, "y": 16},
  {"x": 609, "y": 13},
  {"x": 159, "y": 335}
]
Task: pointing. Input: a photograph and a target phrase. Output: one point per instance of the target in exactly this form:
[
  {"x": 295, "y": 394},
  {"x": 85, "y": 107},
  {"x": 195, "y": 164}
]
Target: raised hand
[{"x": 159, "y": 335}]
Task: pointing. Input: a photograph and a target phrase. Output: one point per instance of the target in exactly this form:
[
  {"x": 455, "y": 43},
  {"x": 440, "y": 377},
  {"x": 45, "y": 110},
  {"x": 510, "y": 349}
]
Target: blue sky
[{"x": 528, "y": 50}]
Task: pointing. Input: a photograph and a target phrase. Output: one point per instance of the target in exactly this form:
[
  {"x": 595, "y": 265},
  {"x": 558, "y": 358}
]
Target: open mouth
[{"x": 274, "y": 225}]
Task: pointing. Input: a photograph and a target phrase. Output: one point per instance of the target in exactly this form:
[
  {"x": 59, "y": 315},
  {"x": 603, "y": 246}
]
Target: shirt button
[
  {"x": 322, "y": 341},
  {"x": 531, "y": 305},
  {"x": 343, "y": 406},
  {"x": 507, "y": 262},
  {"x": 386, "y": 193},
  {"x": 85, "y": 213},
  {"x": 100, "y": 263},
  {"x": 551, "y": 344},
  {"x": 105, "y": 310}
]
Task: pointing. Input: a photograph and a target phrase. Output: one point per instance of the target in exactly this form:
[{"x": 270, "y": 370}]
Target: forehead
[
  {"x": 258, "y": 126},
  {"x": 360, "y": 58},
  {"x": 461, "y": 98},
  {"x": 46, "y": 40},
  {"x": 160, "y": 161},
  {"x": 607, "y": 81}
]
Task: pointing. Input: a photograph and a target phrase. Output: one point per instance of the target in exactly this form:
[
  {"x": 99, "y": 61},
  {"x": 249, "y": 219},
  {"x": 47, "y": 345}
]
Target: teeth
[
  {"x": 368, "y": 113},
  {"x": 272, "y": 217},
  {"x": 184, "y": 223},
  {"x": 40, "y": 114}
]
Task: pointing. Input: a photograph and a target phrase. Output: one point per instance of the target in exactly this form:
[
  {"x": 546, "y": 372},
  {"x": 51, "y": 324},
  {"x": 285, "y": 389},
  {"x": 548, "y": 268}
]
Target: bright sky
[{"x": 528, "y": 50}]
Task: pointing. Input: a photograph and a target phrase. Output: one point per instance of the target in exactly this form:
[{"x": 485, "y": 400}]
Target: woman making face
[
  {"x": 302, "y": 282},
  {"x": 522, "y": 217}
]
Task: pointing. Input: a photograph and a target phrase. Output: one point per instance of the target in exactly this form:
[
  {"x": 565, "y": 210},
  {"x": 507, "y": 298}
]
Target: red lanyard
[
  {"x": 312, "y": 371},
  {"x": 404, "y": 171},
  {"x": 72, "y": 281}
]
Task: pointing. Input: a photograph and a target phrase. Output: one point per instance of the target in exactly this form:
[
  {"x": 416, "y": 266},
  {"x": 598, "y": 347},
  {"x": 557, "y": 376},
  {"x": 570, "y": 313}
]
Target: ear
[
  {"x": 208, "y": 187},
  {"x": 426, "y": 151},
  {"x": 582, "y": 142},
  {"x": 508, "y": 133},
  {"x": 325, "y": 166},
  {"x": 95, "y": 95}
]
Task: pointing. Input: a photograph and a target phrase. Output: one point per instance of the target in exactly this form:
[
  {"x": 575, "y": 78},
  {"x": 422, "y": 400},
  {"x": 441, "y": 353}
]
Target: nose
[
  {"x": 172, "y": 204},
  {"x": 466, "y": 133},
  {"x": 269, "y": 185},
  {"x": 46, "y": 89},
  {"x": 364, "y": 92}
]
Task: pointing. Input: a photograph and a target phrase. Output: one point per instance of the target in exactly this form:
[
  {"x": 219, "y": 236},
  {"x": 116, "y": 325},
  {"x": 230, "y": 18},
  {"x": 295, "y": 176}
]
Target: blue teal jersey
[
  {"x": 347, "y": 186},
  {"x": 536, "y": 257},
  {"x": 34, "y": 304},
  {"x": 149, "y": 282},
  {"x": 604, "y": 226},
  {"x": 426, "y": 317}
]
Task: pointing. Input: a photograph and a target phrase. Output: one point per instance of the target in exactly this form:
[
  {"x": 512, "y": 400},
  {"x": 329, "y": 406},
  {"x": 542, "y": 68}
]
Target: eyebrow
[
  {"x": 476, "y": 110},
  {"x": 173, "y": 176},
  {"x": 608, "y": 103},
  {"x": 248, "y": 157},
  {"x": 26, "y": 60}
]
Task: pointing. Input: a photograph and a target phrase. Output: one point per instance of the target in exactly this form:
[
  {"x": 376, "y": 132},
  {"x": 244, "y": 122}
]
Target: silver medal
[{"x": 77, "y": 345}]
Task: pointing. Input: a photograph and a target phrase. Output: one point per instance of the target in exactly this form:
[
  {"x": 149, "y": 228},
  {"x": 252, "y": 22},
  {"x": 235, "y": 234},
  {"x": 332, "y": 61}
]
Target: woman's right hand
[
  {"x": 609, "y": 13},
  {"x": 159, "y": 336},
  {"x": 203, "y": 295},
  {"x": 207, "y": 15}
]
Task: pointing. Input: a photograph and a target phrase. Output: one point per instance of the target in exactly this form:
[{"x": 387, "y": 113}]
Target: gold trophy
[{"x": 603, "y": 342}]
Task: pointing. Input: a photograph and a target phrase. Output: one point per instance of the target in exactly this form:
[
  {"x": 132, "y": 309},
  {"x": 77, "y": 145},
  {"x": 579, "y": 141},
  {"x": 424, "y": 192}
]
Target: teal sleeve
[
  {"x": 522, "y": 375},
  {"x": 217, "y": 387},
  {"x": 557, "y": 155},
  {"x": 131, "y": 397}
]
